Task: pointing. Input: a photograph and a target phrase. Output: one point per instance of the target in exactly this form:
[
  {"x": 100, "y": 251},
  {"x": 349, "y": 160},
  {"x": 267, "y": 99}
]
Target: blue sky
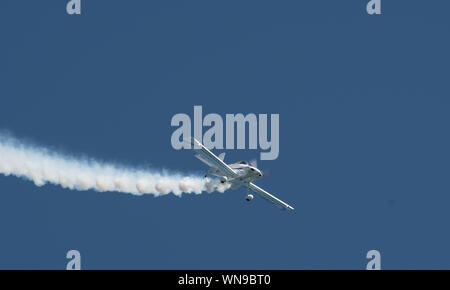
[{"x": 363, "y": 104}]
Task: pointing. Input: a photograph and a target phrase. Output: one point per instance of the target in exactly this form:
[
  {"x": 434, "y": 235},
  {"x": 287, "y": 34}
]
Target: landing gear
[{"x": 249, "y": 196}]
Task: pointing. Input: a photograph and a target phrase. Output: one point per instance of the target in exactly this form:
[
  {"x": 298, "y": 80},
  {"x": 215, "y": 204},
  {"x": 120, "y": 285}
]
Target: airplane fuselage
[{"x": 245, "y": 172}]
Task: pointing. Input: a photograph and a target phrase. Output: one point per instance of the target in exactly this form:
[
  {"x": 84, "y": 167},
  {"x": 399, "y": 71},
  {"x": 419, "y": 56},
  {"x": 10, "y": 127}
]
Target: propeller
[
  {"x": 265, "y": 172},
  {"x": 254, "y": 163}
]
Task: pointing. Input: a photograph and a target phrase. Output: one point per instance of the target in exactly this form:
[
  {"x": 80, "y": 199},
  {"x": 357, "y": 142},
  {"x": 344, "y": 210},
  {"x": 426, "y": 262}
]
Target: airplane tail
[{"x": 222, "y": 156}]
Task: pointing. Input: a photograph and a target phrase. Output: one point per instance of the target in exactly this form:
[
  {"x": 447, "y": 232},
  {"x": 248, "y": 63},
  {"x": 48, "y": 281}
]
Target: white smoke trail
[{"x": 42, "y": 166}]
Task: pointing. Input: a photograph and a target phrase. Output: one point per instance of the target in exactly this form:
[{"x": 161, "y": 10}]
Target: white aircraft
[{"x": 240, "y": 173}]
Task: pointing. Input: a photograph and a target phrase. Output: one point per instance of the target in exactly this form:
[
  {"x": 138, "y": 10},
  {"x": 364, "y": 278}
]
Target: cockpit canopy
[{"x": 242, "y": 162}]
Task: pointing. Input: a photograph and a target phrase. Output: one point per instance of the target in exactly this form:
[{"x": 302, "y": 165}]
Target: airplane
[{"x": 240, "y": 173}]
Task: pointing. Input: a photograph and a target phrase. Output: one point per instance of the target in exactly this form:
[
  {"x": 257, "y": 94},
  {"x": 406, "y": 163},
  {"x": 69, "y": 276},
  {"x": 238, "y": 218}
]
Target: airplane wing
[
  {"x": 267, "y": 196},
  {"x": 210, "y": 159}
]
